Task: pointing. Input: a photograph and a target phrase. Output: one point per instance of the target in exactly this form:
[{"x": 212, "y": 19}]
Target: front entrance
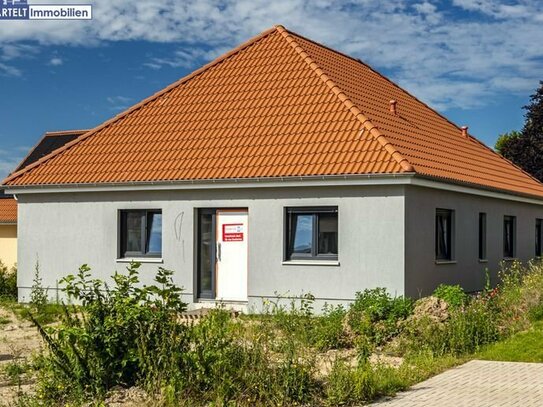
[{"x": 222, "y": 254}]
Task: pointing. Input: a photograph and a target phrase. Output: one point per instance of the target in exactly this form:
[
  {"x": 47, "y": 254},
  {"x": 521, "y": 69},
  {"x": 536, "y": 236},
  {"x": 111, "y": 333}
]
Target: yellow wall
[{"x": 8, "y": 244}]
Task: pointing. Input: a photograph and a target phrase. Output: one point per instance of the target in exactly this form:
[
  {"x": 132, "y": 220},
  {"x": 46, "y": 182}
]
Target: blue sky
[{"x": 476, "y": 61}]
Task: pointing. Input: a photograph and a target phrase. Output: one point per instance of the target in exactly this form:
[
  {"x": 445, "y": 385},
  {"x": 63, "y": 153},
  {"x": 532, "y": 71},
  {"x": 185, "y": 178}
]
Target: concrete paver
[{"x": 477, "y": 384}]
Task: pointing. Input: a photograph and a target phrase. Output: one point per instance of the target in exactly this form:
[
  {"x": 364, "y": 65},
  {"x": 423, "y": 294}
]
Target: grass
[
  {"x": 522, "y": 347},
  {"x": 47, "y": 313}
]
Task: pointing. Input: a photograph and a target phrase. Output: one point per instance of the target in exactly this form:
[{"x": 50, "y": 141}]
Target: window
[
  {"x": 444, "y": 234},
  {"x": 509, "y": 239},
  {"x": 538, "y": 237},
  {"x": 141, "y": 233},
  {"x": 311, "y": 233},
  {"x": 482, "y": 236}
]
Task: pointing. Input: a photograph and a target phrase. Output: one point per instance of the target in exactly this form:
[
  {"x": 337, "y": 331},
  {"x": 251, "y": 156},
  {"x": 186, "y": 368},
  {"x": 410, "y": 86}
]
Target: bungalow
[
  {"x": 8, "y": 205},
  {"x": 8, "y": 230},
  {"x": 282, "y": 167}
]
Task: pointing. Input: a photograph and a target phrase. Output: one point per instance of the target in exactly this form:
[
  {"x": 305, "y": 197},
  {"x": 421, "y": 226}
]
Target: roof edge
[
  {"x": 140, "y": 104},
  {"x": 366, "y": 122},
  {"x": 66, "y": 132},
  {"x": 43, "y": 137}
]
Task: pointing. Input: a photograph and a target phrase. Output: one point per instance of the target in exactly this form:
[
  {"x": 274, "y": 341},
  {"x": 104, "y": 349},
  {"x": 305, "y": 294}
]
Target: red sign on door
[{"x": 232, "y": 232}]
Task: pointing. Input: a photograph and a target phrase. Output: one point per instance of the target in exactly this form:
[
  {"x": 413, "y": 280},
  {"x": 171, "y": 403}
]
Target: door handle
[{"x": 219, "y": 251}]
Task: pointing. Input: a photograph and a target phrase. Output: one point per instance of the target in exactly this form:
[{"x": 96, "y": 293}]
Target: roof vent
[
  {"x": 464, "y": 131},
  {"x": 393, "y": 104}
]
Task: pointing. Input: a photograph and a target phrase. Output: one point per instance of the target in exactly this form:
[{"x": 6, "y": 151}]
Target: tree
[{"x": 525, "y": 148}]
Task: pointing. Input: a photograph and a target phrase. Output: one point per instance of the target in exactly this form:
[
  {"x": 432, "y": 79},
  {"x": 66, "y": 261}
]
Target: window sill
[
  {"x": 446, "y": 261},
  {"x": 509, "y": 259},
  {"x": 310, "y": 263},
  {"x": 483, "y": 260},
  {"x": 140, "y": 260}
]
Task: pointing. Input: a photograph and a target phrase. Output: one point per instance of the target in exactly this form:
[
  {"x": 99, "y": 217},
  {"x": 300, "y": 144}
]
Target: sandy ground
[{"x": 18, "y": 341}]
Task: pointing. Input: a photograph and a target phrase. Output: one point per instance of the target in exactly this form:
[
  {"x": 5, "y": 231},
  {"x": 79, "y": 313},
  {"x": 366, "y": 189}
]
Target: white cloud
[
  {"x": 10, "y": 158},
  {"x": 447, "y": 57},
  {"x": 118, "y": 103},
  {"x": 8, "y": 70},
  {"x": 56, "y": 61}
]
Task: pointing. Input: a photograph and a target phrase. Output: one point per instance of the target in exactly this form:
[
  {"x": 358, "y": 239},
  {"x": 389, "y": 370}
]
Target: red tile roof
[
  {"x": 8, "y": 210},
  {"x": 50, "y": 141},
  {"x": 279, "y": 105}
]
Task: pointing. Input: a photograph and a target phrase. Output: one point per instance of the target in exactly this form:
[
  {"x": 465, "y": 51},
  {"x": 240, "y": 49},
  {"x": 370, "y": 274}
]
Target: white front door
[{"x": 231, "y": 254}]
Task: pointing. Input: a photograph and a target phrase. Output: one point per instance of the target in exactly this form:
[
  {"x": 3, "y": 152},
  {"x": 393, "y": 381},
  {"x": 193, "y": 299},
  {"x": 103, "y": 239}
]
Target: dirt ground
[{"x": 18, "y": 341}]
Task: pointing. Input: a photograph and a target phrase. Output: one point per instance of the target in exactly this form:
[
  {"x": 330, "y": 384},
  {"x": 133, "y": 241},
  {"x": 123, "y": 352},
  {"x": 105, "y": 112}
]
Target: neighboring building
[
  {"x": 8, "y": 205},
  {"x": 8, "y": 230},
  {"x": 282, "y": 167}
]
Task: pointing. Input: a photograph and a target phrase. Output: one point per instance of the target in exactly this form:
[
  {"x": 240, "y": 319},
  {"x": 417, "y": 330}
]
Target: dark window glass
[
  {"x": 328, "y": 233},
  {"x": 312, "y": 233},
  {"x": 538, "y": 237},
  {"x": 509, "y": 236},
  {"x": 206, "y": 266},
  {"x": 482, "y": 236},
  {"x": 134, "y": 231},
  {"x": 141, "y": 233},
  {"x": 444, "y": 232}
]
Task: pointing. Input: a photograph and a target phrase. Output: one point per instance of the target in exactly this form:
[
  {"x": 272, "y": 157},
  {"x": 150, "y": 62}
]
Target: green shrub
[
  {"x": 119, "y": 339},
  {"x": 464, "y": 332},
  {"x": 8, "y": 282},
  {"x": 453, "y": 295},
  {"x": 376, "y": 314},
  {"x": 328, "y": 331}
]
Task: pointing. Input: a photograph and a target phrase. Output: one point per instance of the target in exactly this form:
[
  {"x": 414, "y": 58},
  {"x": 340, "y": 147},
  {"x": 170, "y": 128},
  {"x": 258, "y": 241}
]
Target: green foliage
[
  {"x": 108, "y": 343},
  {"x": 38, "y": 294},
  {"x": 347, "y": 385},
  {"x": 453, "y": 295},
  {"x": 504, "y": 141},
  {"x": 525, "y": 149},
  {"x": 376, "y": 314},
  {"x": 8, "y": 282},
  {"x": 328, "y": 331},
  {"x": 130, "y": 335}
]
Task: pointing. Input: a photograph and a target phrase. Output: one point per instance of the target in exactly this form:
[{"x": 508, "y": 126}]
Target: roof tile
[{"x": 278, "y": 106}]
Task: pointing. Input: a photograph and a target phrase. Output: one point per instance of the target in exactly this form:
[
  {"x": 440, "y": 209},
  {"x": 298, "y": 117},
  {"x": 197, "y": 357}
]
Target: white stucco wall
[
  {"x": 66, "y": 230},
  {"x": 423, "y": 275}
]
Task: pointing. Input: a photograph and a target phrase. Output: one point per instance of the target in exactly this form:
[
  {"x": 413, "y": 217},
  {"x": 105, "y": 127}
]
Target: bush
[
  {"x": 8, "y": 282},
  {"x": 376, "y": 314},
  {"x": 453, "y": 295},
  {"x": 328, "y": 332},
  {"x": 124, "y": 334},
  {"x": 465, "y": 331}
]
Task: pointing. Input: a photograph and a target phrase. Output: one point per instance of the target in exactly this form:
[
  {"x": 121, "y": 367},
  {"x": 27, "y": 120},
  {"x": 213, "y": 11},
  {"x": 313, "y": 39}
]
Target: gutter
[
  {"x": 324, "y": 180},
  {"x": 281, "y": 182}
]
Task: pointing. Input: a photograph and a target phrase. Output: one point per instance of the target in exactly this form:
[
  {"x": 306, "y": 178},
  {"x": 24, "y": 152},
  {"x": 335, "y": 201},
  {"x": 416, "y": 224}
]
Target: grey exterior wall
[
  {"x": 423, "y": 274},
  {"x": 66, "y": 230}
]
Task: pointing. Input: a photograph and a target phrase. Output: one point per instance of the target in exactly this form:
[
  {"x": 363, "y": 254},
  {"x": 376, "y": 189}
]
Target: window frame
[
  {"x": 538, "y": 237},
  {"x": 450, "y": 238},
  {"x": 482, "y": 241},
  {"x": 513, "y": 252},
  {"x": 122, "y": 235},
  {"x": 314, "y": 255}
]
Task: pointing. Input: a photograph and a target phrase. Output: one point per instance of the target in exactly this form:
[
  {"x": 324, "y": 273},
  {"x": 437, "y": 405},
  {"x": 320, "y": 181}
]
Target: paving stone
[{"x": 477, "y": 384}]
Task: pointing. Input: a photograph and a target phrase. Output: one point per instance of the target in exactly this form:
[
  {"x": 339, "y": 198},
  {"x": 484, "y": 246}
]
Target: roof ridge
[
  {"x": 472, "y": 138},
  {"x": 65, "y": 132},
  {"x": 366, "y": 122},
  {"x": 140, "y": 104}
]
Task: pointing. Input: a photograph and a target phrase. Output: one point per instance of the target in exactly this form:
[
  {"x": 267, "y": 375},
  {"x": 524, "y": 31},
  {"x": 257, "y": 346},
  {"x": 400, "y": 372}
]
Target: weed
[
  {"x": 38, "y": 294},
  {"x": 453, "y": 295},
  {"x": 8, "y": 282}
]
